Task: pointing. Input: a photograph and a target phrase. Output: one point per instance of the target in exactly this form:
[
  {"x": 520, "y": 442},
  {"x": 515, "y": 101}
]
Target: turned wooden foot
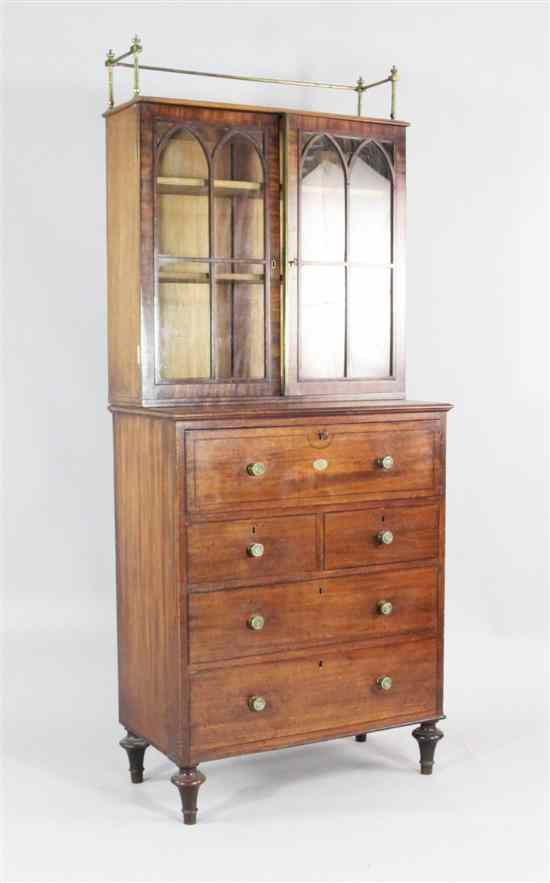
[
  {"x": 188, "y": 782},
  {"x": 427, "y": 735},
  {"x": 135, "y": 748},
  {"x": 361, "y": 737}
]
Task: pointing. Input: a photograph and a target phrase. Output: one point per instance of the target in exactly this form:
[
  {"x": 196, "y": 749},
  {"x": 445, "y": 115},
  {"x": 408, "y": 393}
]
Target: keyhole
[
  {"x": 383, "y": 518},
  {"x": 320, "y": 663},
  {"x": 320, "y": 591},
  {"x": 253, "y": 528}
]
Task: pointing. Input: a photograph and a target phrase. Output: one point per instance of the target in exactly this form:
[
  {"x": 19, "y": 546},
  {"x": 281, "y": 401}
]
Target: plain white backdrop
[{"x": 475, "y": 87}]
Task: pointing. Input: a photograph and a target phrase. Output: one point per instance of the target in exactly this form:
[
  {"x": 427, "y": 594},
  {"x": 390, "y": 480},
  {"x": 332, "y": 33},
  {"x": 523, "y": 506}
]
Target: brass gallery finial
[
  {"x": 360, "y": 88},
  {"x": 394, "y": 76},
  {"x": 135, "y": 49},
  {"x": 109, "y": 64}
]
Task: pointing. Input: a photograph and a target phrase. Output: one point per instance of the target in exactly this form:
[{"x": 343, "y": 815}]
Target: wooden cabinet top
[{"x": 218, "y": 105}]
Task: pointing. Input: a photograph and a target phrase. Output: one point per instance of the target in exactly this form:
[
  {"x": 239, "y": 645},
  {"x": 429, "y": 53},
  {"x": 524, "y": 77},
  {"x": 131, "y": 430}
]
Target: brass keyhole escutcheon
[{"x": 319, "y": 438}]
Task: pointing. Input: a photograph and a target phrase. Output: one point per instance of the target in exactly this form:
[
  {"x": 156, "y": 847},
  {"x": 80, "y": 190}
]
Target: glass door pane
[
  {"x": 211, "y": 254},
  {"x": 370, "y": 273},
  {"x": 323, "y": 203},
  {"x": 322, "y": 322},
  {"x": 370, "y": 321},
  {"x": 240, "y": 320},
  {"x": 322, "y": 284},
  {"x": 345, "y": 222},
  {"x": 184, "y": 333},
  {"x": 239, "y": 286},
  {"x": 239, "y": 199},
  {"x": 183, "y": 239}
]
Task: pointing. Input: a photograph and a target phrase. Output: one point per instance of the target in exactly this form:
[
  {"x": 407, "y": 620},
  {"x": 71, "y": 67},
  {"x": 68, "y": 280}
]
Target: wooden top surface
[
  {"x": 185, "y": 102},
  {"x": 280, "y": 407}
]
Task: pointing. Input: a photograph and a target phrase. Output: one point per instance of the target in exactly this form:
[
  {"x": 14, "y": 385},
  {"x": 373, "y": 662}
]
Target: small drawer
[
  {"x": 252, "y": 551},
  {"x": 381, "y": 536},
  {"x": 296, "y": 465},
  {"x": 343, "y": 688},
  {"x": 244, "y": 622}
]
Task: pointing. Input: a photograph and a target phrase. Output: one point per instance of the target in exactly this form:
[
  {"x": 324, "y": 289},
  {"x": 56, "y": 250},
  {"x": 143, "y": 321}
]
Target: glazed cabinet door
[
  {"x": 344, "y": 246},
  {"x": 211, "y": 253}
]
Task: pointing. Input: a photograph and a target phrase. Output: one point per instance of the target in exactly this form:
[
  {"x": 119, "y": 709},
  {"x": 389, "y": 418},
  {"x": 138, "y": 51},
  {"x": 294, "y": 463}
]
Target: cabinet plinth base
[
  {"x": 427, "y": 735},
  {"x": 188, "y": 782}
]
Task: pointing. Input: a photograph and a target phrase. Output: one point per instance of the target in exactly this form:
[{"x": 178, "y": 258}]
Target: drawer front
[
  {"x": 310, "y": 464},
  {"x": 353, "y": 539},
  {"x": 301, "y": 696},
  {"x": 221, "y": 552},
  {"x": 243, "y": 622}
]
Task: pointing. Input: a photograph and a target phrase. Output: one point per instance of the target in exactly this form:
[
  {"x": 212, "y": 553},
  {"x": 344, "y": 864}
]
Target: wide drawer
[
  {"x": 243, "y": 622},
  {"x": 381, "y": 536},
  {"x": 296, "y": 465},
  {"x": 252, "y": 551},
  {"x": 336, "y": 689}
]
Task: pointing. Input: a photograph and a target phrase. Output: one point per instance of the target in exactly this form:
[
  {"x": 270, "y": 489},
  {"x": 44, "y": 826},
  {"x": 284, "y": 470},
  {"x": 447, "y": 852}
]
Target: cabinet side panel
[
  {"x": 123, "y": 247},
  {"x": 149, "y": 614}
]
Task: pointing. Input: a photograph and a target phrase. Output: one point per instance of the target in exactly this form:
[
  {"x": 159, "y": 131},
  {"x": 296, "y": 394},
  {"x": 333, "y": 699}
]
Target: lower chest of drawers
[{"x": 278, "y": 584}]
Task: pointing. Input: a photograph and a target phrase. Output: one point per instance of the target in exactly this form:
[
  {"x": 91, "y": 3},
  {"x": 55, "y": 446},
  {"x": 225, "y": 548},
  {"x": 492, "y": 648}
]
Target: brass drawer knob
[
  {"x": 385, "y": 608},
  {"x": 385, "y": 682},
  {"x": 320, "y": 465},
  {"x": 256, "y": 550},
  {"x": 256, "y": 469},
  {"x": 384, "y": 537},
  {"x": 257, "y": 703},
  {"x": 256, "y": 622},
  {"x": 386, "y": 462}
]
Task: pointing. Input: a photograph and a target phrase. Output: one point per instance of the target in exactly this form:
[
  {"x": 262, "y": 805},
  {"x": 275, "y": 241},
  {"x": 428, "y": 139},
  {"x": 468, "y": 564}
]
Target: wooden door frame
[
  {"x": 153, "y": 389},
  {"x": 393, "y": 387}
]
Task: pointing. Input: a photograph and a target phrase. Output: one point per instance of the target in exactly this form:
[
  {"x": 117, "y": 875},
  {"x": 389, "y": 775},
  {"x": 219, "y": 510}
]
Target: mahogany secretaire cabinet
[{"x": 279, "y": 503}]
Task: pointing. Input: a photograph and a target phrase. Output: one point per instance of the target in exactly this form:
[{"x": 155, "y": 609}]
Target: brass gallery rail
[{"x": 136, "y": 48}]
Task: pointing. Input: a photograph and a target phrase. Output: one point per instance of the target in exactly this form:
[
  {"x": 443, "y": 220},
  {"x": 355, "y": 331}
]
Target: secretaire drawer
[
  {"x": 244, "y": 622},
  {"x": 381, "y": 535},
  {"x": 293, "y": 465},
  {"x": 341, "y": 688},
  {"x": 252, "y": 551}
]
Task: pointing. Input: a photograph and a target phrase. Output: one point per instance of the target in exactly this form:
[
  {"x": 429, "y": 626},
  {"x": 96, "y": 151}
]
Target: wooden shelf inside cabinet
[
  {"x": 199, "y": 187},
  {"x": 204, "y": 277}
]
